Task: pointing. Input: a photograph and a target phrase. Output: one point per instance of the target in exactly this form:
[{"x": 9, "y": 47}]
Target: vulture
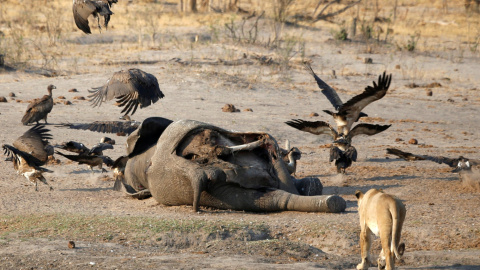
[
  {"x": 92, "y": 157},
  {"x": 35, "y": 143},
  {"x": 39, "y": 108},
  {"x": 349, "y": 112},
  {"x": 90, "y": 160},
  {"x": 82, "y": 9},
  {"x": 290, "y": 155},
  {"x": 459, "y": 164},
  {"x": 131, "y": 88},
  {"x": 342, "y": 151},
  {"x": 119, "y": 127},
  {"x": 29, "y": 152}
]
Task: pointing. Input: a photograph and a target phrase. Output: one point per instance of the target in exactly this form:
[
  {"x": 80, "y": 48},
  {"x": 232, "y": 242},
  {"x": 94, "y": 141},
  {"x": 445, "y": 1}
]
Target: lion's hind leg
[{"x": 365, "y": 240}]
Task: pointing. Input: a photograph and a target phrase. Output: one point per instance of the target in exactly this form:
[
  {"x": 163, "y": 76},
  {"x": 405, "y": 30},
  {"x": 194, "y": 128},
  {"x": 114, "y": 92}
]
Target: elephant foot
[{"x": 336, "y": 204}]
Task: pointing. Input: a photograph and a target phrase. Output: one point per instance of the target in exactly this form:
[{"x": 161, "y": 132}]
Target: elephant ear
[{"x": 146, "y": 135}]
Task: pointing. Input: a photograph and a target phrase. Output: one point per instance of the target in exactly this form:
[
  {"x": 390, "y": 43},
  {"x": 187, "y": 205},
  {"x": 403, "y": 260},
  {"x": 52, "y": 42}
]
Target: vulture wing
[
  {"x": 74, "y": 147},
  {"x": 405, "y": 155},
  {"x": 81, "y": 10},
  {"x": 108, "y": 126},
  {"x": 452, "y": 162},
  {"x": 317, "y": 127},
  {"x": 328, "y": 91},
  {"x": 366, "y": 129},
  {"x": 351, "y": 153},
  {"x": 33, "y": 142},
  {"x": 37, "y": 109},
  {"x": 355, "y": 105},
  {"x": 99, "y": 148},
  {"x": 131, "y": 88}
]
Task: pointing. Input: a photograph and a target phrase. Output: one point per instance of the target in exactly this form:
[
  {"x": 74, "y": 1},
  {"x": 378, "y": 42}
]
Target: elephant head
[{"x": 194, "y": 163}]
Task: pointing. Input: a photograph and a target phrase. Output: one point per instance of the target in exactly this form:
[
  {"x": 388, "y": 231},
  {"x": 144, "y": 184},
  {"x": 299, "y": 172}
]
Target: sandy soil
[{"x": 442, "y": 228}]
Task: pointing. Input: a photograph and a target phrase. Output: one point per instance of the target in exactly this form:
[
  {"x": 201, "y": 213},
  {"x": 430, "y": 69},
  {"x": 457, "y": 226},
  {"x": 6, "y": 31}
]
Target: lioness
[{"x": 383, "y": 215}]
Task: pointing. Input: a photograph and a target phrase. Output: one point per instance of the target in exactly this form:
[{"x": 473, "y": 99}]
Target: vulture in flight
[
  {"x": 82, "y": 9},
  {"x": 119, "y": 127},
  {"x": 342, "y": 151},
  {"x": 349, "y": 112},
  {"x": 131, "y": 88},
  {"x": 459, "y": 164},
  {"x": 29, "y": 152},
  {"x": 39, "y": 108}
]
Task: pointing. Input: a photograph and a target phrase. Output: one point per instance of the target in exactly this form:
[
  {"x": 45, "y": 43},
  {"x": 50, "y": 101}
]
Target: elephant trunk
[{"x": 270, "y": 200}]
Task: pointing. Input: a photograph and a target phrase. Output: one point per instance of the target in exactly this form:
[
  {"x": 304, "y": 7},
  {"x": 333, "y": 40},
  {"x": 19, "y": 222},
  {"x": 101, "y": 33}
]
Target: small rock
[
  {"x": 399, "y": 140},
  {"x": 313, "y": 114},
  {"x": 61, "y": 97},
  {"x": 79, "y": 98},
  {"x": 413, "y": 141},
  {"x": 248, "y": 110},
  {"x": 71, "y": 244},
  {"x": 229, "y": 108},
  {"x": 19, "y": 101},
  {"x": 367, "y": 60},
  {"x": 397, "y": 67},
  {"x": 465, "y": 99},
  {"x": 67, "y": 102},
  {"x": 3, "y": 99},
  {"x": 450, "y": 100},
  {"x": 121, "y": 133},
  {"x": 429, "y": 92},
  {"x": 11, "y": 94},
  {"x": 73, "y": 90}
]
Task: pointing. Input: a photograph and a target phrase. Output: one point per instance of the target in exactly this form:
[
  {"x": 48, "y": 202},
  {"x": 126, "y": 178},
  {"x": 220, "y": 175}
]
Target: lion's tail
[{"x": 395, "y": 231}]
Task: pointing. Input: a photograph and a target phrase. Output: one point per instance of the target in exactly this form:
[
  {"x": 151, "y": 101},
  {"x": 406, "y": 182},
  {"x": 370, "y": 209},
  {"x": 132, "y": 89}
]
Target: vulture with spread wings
[
  {"x": 342, "y": 151},
  {"x": 82, "y": 9},
  {"x": 459, "y": 164},
  {"x": 349, "y": 112},
  {"x": 131, "y": 88},
  {"x": 29, "y": 152}
]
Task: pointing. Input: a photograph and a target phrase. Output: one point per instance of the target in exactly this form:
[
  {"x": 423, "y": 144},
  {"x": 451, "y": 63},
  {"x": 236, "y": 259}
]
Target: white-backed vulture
[
  {"x": 82, "y": 9},
  {"x": 39, "y": 108},
  {"x": 29, "y": 152},
  {"x": 342, "y": 150},
  {"x": 349, "y": 112},
  {"x": 131, "y": 88},
  {"x": 459, "y": 164}
]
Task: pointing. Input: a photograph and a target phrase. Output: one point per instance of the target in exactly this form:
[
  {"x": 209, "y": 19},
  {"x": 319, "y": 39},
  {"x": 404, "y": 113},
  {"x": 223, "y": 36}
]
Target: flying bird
[
  {"x": 349, "y": 112},
  {"x": 39, "y": 108},
  {"x": 459, "y": 164},
  {"x": 82, "y": 9},
  {"x": 328, "y": 91},
  {"x": 131, "y": 88},
  {"x": 119, "y": 127},
  {"x": 29, "y": 152},
  {"x": 342, "y": 150}
]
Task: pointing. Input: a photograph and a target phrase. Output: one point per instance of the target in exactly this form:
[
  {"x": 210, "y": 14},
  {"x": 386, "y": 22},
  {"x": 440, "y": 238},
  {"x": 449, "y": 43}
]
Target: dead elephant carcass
[{"x": 198, "y": 164}]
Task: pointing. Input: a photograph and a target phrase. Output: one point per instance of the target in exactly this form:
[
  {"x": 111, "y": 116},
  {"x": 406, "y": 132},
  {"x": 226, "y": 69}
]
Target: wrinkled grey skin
[{"x": 179, "y": 172}]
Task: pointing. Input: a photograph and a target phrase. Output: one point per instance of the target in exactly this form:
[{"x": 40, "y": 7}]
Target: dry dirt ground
[{"x": 111, "y": 231}]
